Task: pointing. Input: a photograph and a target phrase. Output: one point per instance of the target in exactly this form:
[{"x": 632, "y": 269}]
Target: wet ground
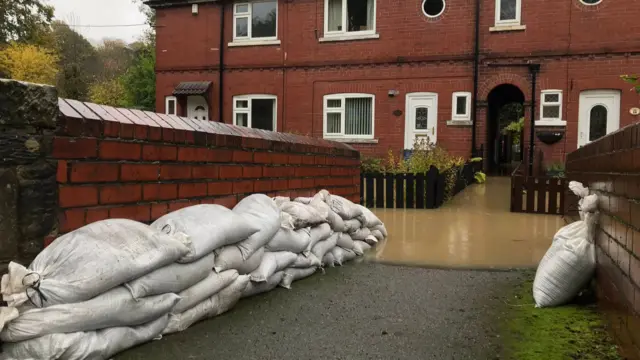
[
  {"x": 360, "y": 311},
  {"x": 473, "y": 230}
]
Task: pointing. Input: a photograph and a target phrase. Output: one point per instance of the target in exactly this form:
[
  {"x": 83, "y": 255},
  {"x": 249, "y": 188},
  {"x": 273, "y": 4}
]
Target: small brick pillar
[{"x": 28, "y": 187}]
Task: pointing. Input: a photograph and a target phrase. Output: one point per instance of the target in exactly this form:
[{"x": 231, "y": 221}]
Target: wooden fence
[
  {"x": 412, "y": 191},
  {"x": 537, "y": 194}
]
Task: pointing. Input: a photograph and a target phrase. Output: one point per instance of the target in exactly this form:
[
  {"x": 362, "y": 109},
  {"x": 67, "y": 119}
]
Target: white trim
[
  {"x": 248, "y": 15},
  {"x": 341, "y": 110},
  {"x": 454, "y": 106},
  {"x": 409, "y": 126},
  {"x": 349, "y": 37},
  {"x": 503, "y": 28},
  {"x": 587, "y": 4},
  {"x": 444, "y": 6},
  {"x": 551, "y": 123},
  {"x": 247, "y": 110},
  {"x": 343, "y": 32},
  {"x": 459, "y": 123},
  {"x": 166, "y": 105},
  {"x": 544, "y": 103},
  {"x": 238, "y": 43},
  {"x": 509, "y": 22}
]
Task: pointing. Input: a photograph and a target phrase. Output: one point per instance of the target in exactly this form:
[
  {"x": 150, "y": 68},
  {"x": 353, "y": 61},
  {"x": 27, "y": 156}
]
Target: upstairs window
[
  {"x": 255, "y": 111},
  {"x": 349, "y": 16},
  {"x": 551, "y": 105},
  {"x": 170, "y": 105},
  {"x": 348, "y": 116},
  {"x": 508, "y": 12},
  {"x": 256, "y": 20},
  {"x": 461, "y": 106}
]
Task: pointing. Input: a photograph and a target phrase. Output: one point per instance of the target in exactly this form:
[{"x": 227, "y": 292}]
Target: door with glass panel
[
  {"x": 599, "y": 114},
  {"x": 421, "y": 118}
]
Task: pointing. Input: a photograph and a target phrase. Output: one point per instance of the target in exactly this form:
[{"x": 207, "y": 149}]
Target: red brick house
[{"x": 379, "y": 73}]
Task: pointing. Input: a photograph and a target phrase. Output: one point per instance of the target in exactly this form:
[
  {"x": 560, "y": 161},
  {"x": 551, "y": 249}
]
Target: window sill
[
  {"x": 551, "y": 123},
  {"x": 239, "y": 43},
  {"x": 348, "y": 37},
  {"x": 459, "y": 123},
  {"x": 353, "y": 140},
  {"x": 502, "y": 28}
]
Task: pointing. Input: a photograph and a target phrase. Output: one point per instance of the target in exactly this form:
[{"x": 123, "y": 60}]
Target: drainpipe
[
  {"x": 533, "y": 69},
  {"x": 476, "y": 71},
  {"x": 221, "y": 66}
]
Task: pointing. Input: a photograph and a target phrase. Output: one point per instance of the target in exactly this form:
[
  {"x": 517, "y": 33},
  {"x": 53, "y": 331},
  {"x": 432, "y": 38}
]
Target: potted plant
[{"x": 555, "y": 170}]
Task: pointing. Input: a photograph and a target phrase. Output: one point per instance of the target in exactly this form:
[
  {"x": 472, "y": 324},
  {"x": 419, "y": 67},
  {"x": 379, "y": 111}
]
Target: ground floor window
[
  {"x": 349, "y": 116},
  {"x": 255, "y": 111},
  {"x": 461, "y": 106},
  {"x": 170, "y": 105}
]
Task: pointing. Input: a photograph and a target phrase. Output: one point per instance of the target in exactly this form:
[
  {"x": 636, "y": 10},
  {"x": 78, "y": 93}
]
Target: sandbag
[
  {"x": 360, "y": 234},
  {"x": 254, "y": 288},
  {"x": 345, "y": 241},
  {"x": 370, "y": 219},
  {"x": 286, "y": 221},
  {"x": 318, "y": 233},
  {"x": 322, "y": 195},
  {"x": 303, "y": 200},
  {"x": 90, "y": 345},
  {"x": 566, "y": 267},
  {"x": 279, "y": 200},
  {"x": 213, "y": 306},
  {"x": 329, "y": 260},
  {"x": 272, "y": 262},
  {"x": 112, "y": 309},
  {"x": 203, "y": 290},
  {"x": 352, "y": 225},
  {"x": 322, "y": 247},
  {"x": 341, "y": 256},
  {"x": 260, "y": 210},
  {"x": 377, "y": 234},
  {"x": 578, "y": 189},
  {"x": 336, "y": 222},
  {"x": 382, "y": 229},
  {"x": 89, "y": 261},
  {"x": 295, "y": 241},
  {"x": 320, "y": 206},
  {"x": 291, "y": 275},
  {"x": 207, "y": 226},
  {"x": 172, "y": 278},
  {"x": 303, "y": 215},
  {"x": 371, "y": 240},
  {"x": 306, "y": 261},
  {"x": 570, "y": 231},
  {"x": 230, "y": 257},
  {"x": 7, "y": 314},
  {"x": 343, "y": 207},
  {"x": 360, "y": 247}
]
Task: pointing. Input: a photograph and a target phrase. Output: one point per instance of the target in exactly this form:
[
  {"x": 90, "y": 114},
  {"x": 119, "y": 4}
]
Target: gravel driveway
[{"x": 360, "y": 311}]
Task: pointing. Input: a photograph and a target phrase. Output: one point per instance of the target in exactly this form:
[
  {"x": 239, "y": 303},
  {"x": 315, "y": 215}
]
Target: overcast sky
[{"x": 99, "y": 13}]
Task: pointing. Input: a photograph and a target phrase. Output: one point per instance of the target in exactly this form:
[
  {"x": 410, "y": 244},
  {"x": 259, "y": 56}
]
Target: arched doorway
[{"x": 505, "y": 107}]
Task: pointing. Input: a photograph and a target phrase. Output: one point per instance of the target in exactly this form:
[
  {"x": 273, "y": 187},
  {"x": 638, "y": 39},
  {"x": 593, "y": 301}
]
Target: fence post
[{"x": 432, "y": 187}]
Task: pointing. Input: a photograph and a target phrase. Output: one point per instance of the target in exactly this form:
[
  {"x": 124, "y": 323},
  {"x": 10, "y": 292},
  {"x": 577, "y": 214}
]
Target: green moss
[{"x": 574, "y": 331}]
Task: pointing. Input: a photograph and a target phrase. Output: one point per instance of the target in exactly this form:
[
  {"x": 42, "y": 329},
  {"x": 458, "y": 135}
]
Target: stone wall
[{"x": 611, "y": 169}]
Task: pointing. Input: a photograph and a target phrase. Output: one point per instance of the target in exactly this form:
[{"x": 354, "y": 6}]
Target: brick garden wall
[{"x": 611, "y": 168}]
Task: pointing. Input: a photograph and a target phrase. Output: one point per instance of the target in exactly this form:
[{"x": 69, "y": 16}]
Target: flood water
[{"x": 473, "y": 230}]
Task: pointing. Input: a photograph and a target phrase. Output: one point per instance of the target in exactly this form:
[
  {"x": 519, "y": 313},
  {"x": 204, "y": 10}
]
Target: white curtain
[
  {"x": 335, "y": 15},
  {"x": 358, "y": 116},
  {"x": 370, "y": 13}
]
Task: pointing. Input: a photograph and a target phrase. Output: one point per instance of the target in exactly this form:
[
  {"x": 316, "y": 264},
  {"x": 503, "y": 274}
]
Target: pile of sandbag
[
  {"x": 117, "y": 283},
  {"x": 569, "y": 264}
]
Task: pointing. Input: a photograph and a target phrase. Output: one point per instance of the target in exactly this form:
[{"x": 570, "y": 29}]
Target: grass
[{"x": 574, "y": 331}]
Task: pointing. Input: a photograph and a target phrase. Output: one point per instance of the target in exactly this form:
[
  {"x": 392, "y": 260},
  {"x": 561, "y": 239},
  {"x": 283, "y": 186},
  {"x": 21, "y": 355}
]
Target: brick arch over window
[{"x": 522, "y": 83}]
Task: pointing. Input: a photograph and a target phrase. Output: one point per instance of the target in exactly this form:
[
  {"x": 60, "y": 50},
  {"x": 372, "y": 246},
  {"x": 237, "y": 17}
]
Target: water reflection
[{"x": 475, "y": 229}]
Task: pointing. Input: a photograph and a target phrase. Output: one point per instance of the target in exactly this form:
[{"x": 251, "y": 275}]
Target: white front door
[
  {"x": 197, "y": 108},
  {"x": 599, "y": 114},
  {"x": 421, "y": 118}
]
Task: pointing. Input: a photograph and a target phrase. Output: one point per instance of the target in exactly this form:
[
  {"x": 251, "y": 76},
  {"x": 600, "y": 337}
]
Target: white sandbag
[
  {"x": 291, "y": 275},
  {"x": 341, "y": 256},
  {"x": 360, "y": 247},
  {"x": 90, "y": 345},
  {"x": 352, "y": 225},
  {"x": 7, "y": 314},
  {"x": 320, "y": 206},
  {"x": 263, "y": 212},
  {"x": 578, "y": 189},
  {"x": 303, "y": 200},
  {"x": 329, "y": 260},
  {"x": 360, "y": 234},
  {"x": 207, "y": 226},
  {"x": 377, "y": 234},
  {"x": 306, "y": 261},
  {"x": 318, "y": 233},
  {"x": 336, "y": 222},
  {"x": 89, "y": 261},
  {"x": 286, "y": 221},
  {"x": 370, "y": 219},
  {"x": 203, "y": 290},
  {"x": 230, "y": 257},
  {"x": 570, "y": 231},
  {"x": 566, "y": 267},
  {"x": 371, "y": 240},
  {"x": 382, "y": 229},
  {"x": 172, "y": 278},
  {"x": 279, "y": 200},
  {"x": 322, "y": 247},
  {"x": 295, "y": 241},
  {"x": 272, "y": 262},
  {"x": 303, "y": 215},
  {"x": 345, "y": 241},
  {"x": 112, "y": 309},
  {"x": 255, "y": 288},
  {"x": 343, "y": 207},
  {"x": 217, "y": 304},
  {"x": 322, "y": 195}
]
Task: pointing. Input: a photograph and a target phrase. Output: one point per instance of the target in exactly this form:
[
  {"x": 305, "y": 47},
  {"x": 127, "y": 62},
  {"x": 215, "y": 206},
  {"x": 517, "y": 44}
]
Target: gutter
[
  {"x": 221, "y": 66},
  {"x": 476, "y": 73}
]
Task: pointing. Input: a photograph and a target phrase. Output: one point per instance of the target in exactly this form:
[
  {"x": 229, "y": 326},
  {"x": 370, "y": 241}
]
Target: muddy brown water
[{"x": 473, "y": 230}]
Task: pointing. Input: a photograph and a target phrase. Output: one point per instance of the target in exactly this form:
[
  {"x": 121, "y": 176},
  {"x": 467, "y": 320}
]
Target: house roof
[
  {"x": 192, "y": 88},
  {"x": 169, "y": 3}
]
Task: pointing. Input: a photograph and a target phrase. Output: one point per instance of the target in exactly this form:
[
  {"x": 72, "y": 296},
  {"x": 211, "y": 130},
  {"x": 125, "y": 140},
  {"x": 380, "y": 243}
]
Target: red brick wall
[
  {"x": 141, "y": 165},
  {"x": 611, "y": 169}
]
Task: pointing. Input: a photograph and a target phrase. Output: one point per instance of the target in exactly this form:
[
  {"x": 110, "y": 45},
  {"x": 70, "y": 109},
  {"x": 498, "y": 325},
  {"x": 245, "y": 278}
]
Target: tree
[
  {"x": 24, "y": 21},
  {"x": 110, "y": 92},
  {"x": 633, "y": 80},
  {"x": 114, "y": 57},
  {"x": 30, "y": 63},
  {"x": 140, "y": 80}
]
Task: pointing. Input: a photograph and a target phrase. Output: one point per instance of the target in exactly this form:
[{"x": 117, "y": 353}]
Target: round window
[
  {"x": 433, "y": 8},
  {"x": 591, "y": 2}
]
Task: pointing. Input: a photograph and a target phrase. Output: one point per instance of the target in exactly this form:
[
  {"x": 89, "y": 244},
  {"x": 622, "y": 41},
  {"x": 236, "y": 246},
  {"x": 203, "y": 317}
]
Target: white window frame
[
  {"x": 248, "y": 14},
  {"x": 167, "y": 99},
  {"x": 550, "y": 121},
  {"x": 344, "y": 34},
  {"x": 247, "y": 110},
  {"x": 510, "y": 22},
  {"x": 454, "y": 106},
  {"x": 342, "y": 97}
]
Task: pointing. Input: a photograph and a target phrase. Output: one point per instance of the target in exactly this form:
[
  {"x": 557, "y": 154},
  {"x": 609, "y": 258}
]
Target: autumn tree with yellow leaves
[{"x": 29, "y": 62}]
